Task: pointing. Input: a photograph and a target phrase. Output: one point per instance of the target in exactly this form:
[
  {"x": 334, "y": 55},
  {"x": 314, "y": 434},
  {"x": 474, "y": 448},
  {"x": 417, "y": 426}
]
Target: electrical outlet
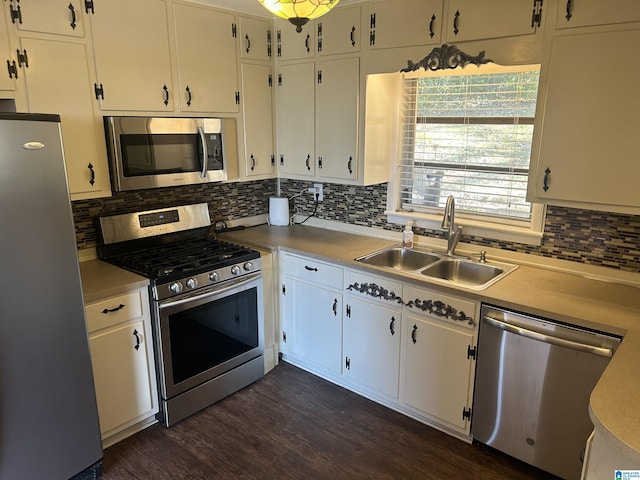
[{"x": 318, "y": 187}]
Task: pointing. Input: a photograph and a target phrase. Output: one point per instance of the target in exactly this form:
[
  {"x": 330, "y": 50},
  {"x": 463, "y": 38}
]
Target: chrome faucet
[{"x": 448, "y": 223}]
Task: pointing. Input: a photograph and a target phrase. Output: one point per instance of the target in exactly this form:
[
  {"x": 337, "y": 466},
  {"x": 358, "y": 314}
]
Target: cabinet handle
[
  {"x": 335, "y": 306},
  {"x": 392, "y": 328},
  {"x": 569, "y": 9},
  {"x": 111, "y": 310},
  {"x": 92, "y": 180},
  {"x": 73, "y": 16},
  {"x": 166, "y": 95},
  {"x": 307, "y": 41},
  {"x": 253, "y": 162},
  {"x": 311, "y": 269},
  {"x": 413, "y": 333},
  {"x": 349, "y": 165},
  {"x": 545, "y": 181},
  {"x": 135, "y": 334},
  {"x": 352, "y": 36},
  {"x": 307, "y": 162},
  {"x": 456, "y": 17},
  {"x": 431, "y": 23},
  {"x": 188, "y": 96},
  {"x": 248, "y": 43}
]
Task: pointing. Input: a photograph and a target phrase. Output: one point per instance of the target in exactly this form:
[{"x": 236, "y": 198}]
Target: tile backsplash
[{"x": 596, "y": 238}]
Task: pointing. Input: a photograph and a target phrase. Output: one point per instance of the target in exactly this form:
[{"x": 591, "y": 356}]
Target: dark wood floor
[{"x": 293, "y": 425}]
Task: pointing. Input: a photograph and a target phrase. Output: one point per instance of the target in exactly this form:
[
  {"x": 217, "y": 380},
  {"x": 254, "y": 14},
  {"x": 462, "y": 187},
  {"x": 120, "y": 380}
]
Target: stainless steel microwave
[{"x": 152, "y": 152}]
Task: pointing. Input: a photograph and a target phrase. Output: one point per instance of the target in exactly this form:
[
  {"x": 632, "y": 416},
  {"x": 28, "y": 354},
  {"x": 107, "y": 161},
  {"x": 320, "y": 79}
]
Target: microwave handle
[{"x": 205, "y": 153}]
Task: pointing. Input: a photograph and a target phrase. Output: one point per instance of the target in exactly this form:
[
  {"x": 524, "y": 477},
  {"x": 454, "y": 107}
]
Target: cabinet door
[
  {"x": 337, "y": 98},
  {"x": 405, "y": 23},
  {"x": 582, "y": 13},
  {"x": 257, "y": 82},
  {"x": 438, "y": 370},
  {"x": 473, "y": 20},
  {"x": 295, "y": 102},
  {"x": 133, "y": 62},
  {"x": 121, "y": 374},
  {"x": 314, "y": 325},
  {"x": 57, "y": 81},
  {"x": 292, "y": 45},
  {"x": 583, "y": 148},
  {"x": 255, "y": 39},
  {"x": 7, "y": 80},
  {"x": 338, "y": 31},
  {"x": 372, "y": 345},
  {"x": 60, "y": 17},
  {"x": 206, "y": 50}
]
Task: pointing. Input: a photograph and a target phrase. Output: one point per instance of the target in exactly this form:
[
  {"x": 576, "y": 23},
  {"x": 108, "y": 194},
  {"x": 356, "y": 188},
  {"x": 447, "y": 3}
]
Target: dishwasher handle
[{"x": 542, "y": 337}]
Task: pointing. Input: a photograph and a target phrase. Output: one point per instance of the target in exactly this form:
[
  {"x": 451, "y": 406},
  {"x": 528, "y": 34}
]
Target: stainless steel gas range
[{"x": 206, "y": 303}]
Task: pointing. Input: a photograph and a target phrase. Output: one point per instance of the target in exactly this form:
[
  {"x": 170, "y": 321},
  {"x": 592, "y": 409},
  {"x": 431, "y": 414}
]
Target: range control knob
[
  {"x": 235, "y": 270},
  {"x": 248, "y": 266},
  {"x": 192, "y": 283},
  {"x": 214, "y": 276},
  {"x": 175, "y": 287}
]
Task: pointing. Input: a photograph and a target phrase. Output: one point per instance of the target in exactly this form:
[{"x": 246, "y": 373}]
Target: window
[{"x": 468, "y": 133}]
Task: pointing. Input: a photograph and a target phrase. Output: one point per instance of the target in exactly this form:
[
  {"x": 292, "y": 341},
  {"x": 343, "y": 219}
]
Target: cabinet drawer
[
  {"x": 312, "y": 270},
  {"x": 374, "y": 288},
  {"x": 114, "y": 310},
  {"x": 443, "y": 307}
]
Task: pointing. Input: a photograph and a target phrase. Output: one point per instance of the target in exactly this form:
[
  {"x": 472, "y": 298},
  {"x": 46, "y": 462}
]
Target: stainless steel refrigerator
[{"x": 48, "y": 417}]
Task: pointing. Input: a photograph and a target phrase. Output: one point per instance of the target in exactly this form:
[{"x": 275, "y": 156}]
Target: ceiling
[{"x": 252, "y": 6}]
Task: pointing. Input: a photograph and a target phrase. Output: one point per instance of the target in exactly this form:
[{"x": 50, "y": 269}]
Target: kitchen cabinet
[
  {"x": 405, "y": 23},
  {"x": 581, "y": 151},
  {"x": 372, "y": 332},
  {"x": 8, "y": 77},
  {"x": 473, "y": 20},
  {"x": 257, "y": 95},
  {"x": 58, "y": 17},
  {"x": 58, "y": 80},
  {"x": 206, "y": 59},
  {"x": 312, "y": 314},
  {"x": 292, "y": 45},
  {"x": 295, "y": 105},
  {"x": 338, "y": 31},
  {"x": 439, "y": 356},
  {"x": 132, "y": 55},
  {"x": 582, "y": 13},
  {"x": 123, "y": 366},
  {"x": 336, "y": 122},
  {"x": 255, "y": 39}
]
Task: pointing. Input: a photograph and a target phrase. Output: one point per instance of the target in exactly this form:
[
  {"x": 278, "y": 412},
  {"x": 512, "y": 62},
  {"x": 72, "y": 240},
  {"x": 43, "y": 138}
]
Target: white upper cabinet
[
  {"x": 60, "y": 17},
  {"x": 292, "y": 45},
  {"x": 206, "y": 57},
  {"x": 405, "y": 23},
  {"x": 582, "y": 13},
  {"x": 133, "y": 61},
  {"x": 338, "y": 31},
  {"x": 7, "y": 77},
  {"x": 256, "y": 40},
  {"x": 474, "y": 20},
  {"x": 583, "y": 151}
]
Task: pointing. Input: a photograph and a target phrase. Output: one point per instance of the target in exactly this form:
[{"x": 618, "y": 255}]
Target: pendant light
[{"x": 299, "y": 12}]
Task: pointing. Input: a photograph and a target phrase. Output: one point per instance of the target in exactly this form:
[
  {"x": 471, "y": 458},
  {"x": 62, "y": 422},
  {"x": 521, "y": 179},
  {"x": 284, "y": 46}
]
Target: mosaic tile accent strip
[{"x": 595, "y": 238}]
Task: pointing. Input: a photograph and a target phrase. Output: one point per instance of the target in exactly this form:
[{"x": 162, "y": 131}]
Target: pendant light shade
[{"x": 299, "y": 12}]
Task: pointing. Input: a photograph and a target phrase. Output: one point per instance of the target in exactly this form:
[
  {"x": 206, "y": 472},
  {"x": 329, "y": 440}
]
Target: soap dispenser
[{"x": 407, "y": 235}]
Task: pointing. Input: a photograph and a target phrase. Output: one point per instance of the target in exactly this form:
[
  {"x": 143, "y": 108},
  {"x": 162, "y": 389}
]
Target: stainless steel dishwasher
[{"x": 533, "y": 382}]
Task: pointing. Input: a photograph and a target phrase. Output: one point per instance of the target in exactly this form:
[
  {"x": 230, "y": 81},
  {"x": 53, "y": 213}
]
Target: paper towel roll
[{"x": 278, "y": 211}]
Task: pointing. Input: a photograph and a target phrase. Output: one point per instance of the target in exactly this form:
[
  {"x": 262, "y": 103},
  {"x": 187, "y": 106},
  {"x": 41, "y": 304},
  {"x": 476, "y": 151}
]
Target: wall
[{"x": 595, "y": 238}]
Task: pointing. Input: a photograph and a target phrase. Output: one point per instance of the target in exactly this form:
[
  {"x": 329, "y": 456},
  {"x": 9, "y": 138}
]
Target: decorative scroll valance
[{"x": 446, "y": 57}]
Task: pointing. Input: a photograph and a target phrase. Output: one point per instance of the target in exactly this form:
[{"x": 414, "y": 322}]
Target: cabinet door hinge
[
  {"x": 536, "y": 15},
  {"x": 279, "y": 79},
  {"x": 471, "y": 352},
  {"x": 273, "y": 160},
  {"x": 234, "y": 30},
  {"x": 284, "y": 289},
  {"x": 347, "y": 363},
  {"x": 88, "y": 6},
  {"x": 270, "y": 80},
  {"x": 12, "y": 67},
  {"x": 466, "y": 413},
  {"x": 320, "y": 163},
  {"x": 284, "y": 336},
  {"x": 349, "y": 311},
  {"x": 23, "y": 59},
  {"x": 319, "y": 76},
  {"x": 99, "y": 91},
  {"x": 15, "y": 14},
  {"x": 269, "y": 43},
  {"x": 237, "y": 98}
]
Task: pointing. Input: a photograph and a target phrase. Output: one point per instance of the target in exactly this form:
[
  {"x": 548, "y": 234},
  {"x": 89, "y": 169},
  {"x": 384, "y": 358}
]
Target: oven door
[{"x": 203, "y": 335}]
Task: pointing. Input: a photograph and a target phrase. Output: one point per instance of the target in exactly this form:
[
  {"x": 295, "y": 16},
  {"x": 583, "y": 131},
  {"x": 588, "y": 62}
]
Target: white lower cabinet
[{"x": 123, "y": 365}]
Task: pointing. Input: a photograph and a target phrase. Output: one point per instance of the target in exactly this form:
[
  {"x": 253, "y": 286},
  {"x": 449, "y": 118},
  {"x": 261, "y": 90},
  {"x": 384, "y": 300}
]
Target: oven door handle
[
  {"x": 239, "y": 283},
  {"x": 205, "y": 153}
]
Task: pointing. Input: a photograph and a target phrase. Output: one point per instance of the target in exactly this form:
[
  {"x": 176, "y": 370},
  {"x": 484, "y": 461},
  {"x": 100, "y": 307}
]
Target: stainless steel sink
[
  {"x": 463, "y": 271},
  {"x": 400, "y": 258}
]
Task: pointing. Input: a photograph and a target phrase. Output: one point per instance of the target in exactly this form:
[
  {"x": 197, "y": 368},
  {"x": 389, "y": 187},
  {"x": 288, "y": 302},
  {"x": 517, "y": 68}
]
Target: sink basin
[
  {"x": 400, "y": 259},
  {"x": 463, "y": 271}
]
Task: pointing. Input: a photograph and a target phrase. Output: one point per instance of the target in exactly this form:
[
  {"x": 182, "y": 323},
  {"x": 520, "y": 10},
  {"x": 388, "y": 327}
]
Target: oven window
[{"x": 206, "y": 336}]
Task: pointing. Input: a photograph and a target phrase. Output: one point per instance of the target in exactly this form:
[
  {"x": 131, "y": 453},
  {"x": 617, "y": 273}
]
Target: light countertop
[
  {"x": 102, "y": 280},
  {"x": 574, "y": 299}
]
